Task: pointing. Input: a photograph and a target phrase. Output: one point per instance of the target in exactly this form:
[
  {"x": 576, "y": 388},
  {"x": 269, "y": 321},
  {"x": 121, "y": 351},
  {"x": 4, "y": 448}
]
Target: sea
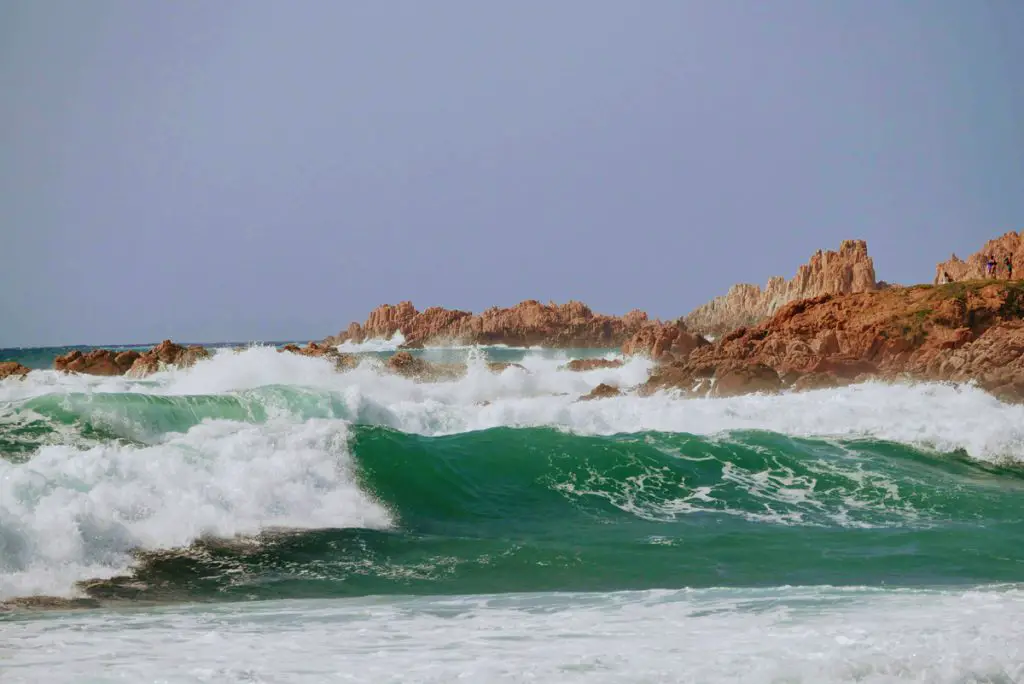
[{"x": 260, "y": 517}]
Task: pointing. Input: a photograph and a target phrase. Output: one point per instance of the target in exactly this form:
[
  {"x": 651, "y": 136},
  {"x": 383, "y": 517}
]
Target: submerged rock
[
  {"x": 602, "y": 391},
  {"x": 405, "y": 364},
  {"x": 580, "y": 365}
]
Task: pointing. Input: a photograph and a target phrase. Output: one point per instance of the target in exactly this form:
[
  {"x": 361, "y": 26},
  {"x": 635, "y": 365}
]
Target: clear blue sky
[{"x": 263, "y": 170}]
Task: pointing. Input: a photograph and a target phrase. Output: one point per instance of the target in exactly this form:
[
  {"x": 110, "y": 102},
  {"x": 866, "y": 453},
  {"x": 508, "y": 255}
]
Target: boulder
[{"x": 12, "y": 369}]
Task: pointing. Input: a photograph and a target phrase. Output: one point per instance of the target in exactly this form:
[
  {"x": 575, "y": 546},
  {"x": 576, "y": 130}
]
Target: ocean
[{"x": 262, "y": 518}]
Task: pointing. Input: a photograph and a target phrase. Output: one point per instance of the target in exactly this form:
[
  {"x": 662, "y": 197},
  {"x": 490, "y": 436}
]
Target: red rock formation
[
  {"x": 96, "y": 362},
  {"x": 955, "y": 332},
  {"x": 325, "y": 351},
  {"x": 110, "y": 362},
  {"x": 579, "y": 365},
  {"x": 528, "y": 323},
  {"x": 165, "y": 354},
  {"x": 1009, "y": 245},
  {"x": 602, "y": 391},
  {"x": 12, "y": 368},
  {"x": 849, "y": 270},
  {"x": 663, "y": 341}
]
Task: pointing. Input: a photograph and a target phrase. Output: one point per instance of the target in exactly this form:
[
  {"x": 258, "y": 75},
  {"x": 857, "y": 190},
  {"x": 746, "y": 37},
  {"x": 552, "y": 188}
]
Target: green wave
[
  {"x": 537, "y": 509},
  {"x": 144, "y": 418}
]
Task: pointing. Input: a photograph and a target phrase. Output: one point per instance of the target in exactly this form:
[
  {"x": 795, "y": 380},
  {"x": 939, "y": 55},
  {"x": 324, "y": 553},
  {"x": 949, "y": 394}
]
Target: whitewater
[{"x": 262, "y": 517}]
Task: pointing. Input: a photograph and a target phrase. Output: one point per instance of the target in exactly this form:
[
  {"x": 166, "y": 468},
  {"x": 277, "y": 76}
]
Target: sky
[{"x": 247, "y": 170}]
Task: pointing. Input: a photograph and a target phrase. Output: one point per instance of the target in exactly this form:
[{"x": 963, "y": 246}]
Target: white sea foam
[
  {"x": 799, "y": 635},
  {"x": 71, "y": 514},
  {"x": 935, "y": 416},
  {"x": 373, "y": 345}
]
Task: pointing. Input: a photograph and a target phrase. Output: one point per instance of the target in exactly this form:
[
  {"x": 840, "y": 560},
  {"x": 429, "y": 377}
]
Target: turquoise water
[{"x": 283, "y": 496}]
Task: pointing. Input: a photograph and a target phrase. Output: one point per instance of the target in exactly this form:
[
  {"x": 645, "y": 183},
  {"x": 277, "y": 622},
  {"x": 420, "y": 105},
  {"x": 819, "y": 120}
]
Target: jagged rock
[
  {"x": 528, "y": 323},
  {"x": 957, "y": 332},
  {"x": 12, "y": 368},
  {"x": 663, "y": 341},
  {"x": 165, "y": 354},
  {"x": 850, "y": 270},
  {"x": 1008, "y": 245},
  {"x": 95, "y": 362},
  {"x": 602, "y": 391},
  {"x": 580, "y": 365}
]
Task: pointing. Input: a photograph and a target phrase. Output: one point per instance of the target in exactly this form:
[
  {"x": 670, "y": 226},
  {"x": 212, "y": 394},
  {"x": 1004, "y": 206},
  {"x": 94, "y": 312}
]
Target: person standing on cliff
[
  {"x": 1009, "y": 267},
  {"x": 990, "y": 267}
]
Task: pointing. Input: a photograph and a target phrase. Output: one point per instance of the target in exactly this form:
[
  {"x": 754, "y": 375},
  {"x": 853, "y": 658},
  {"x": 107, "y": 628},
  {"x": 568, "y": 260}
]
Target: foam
[
  {"x": 374, "y": 345},
  {"x": 799, "y": 635},
  {"x": 932, "y": 416},
  {"x": 71, "y": 514}
]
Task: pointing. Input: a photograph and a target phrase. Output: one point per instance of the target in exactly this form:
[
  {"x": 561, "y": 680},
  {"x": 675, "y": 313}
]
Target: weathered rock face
[
  {"x": 96, "y": 362},
  {"x": 958, "y": 332},
  {"x": 1009, "y": 245},
  {"x": 528, "y": 323},
  {"x": 12, "y": 369},
  {"x": 165, "y": 354},
  {"x": 850, "y": 270},
  {"x": 663, "y": 341},
  {"x": 110, "y": 362}
]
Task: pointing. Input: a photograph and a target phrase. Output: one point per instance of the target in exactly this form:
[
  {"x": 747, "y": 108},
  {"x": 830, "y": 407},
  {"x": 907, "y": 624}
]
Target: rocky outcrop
[
  {"x": 580, "y": 365},
  {"x": 1009, "y": 245},
  {"x": 958, "y": 332},
  {"x": 96, "y": 362},
  {"x": 166, "y": 354},
  {"x": 850, "y": 270},
  {"x": 317, "y": 350},
  {"x": 602, "y": 391},
  {"x": 110, "y": 362},
  {"x": 663, "y": 341},
  {"x": 528, "y": 323},
  {"x": 405, "y": 364},
  {"x": 12, "y": 369}
]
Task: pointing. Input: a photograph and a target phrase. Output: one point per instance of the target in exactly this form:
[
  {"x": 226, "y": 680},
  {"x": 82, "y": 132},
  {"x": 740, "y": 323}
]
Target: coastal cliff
[
  {"x": 1008, "y": 245},
  {"x": 526, "y": 324},
  {"x": 850, "y": 270},
  {"x": 957, "y": 332}
]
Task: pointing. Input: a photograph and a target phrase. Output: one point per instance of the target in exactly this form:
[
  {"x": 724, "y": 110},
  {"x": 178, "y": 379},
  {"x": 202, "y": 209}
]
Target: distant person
[
  {"x": 946, "y": 278},
  {"x": 990, "y": 267},
  {"x": 1009, "y": 268}
]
